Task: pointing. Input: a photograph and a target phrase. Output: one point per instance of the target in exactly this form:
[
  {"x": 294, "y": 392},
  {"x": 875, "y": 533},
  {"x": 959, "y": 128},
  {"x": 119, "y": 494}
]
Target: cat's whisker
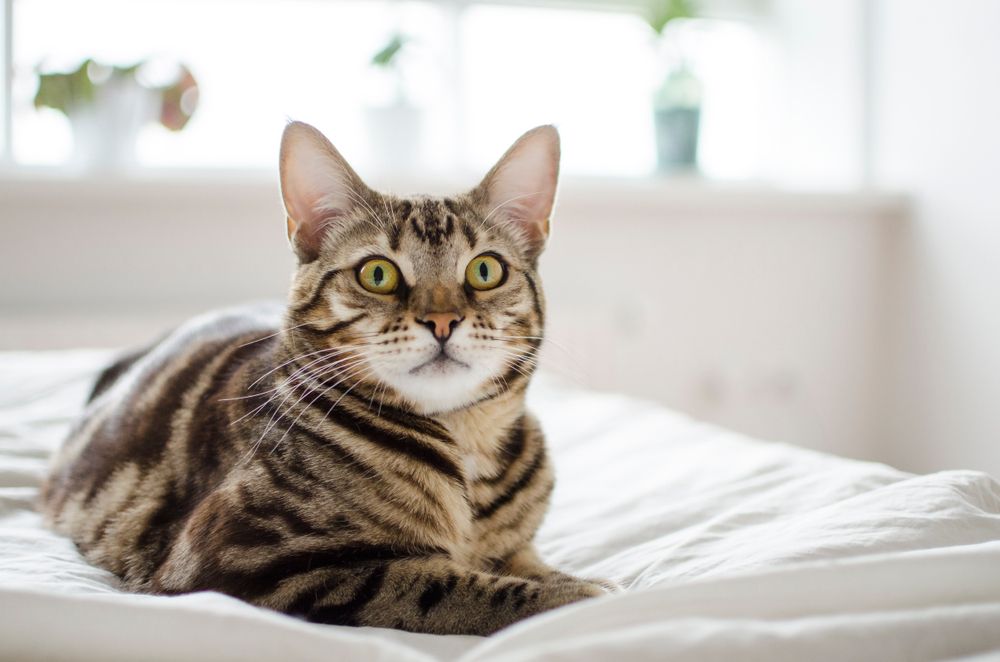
[
  {"x": 371, "y": 400},
  {"x": 381, "y": 400},
  {"x": 547, "y": 341},
  {"x": 392, "y": 211},
  {"x": 308, "y": 406},
  {"x": 316, "y": 376},
  {"x": 294, "y": 380},
  {"x": 512, "y": 364},
  {"x": 388, "y": 213},
  {"x": 290, "y": 378},
  {"x": 282, "y": 365},
  {"x": 344, "y": 394},
  {"x": 276, "y": 333},
  {"x": 367, "y": 372},
  {"x": 504, "y": 204},
  {"x": 364, "y": 203},
  {"x": 573, "y": 370},
  {"x": 277, "y": 414}
]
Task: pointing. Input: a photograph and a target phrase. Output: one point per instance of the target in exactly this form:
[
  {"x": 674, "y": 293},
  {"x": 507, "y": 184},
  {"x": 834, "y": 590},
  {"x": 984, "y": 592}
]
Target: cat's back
[{"x": 156, "y": 436}]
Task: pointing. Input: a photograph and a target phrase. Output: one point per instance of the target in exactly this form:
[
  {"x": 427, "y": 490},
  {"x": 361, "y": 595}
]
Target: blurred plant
[
  {"x": 660, "y": 13},
  {"x": 387, "y": 56},
  {"x": 66, "y": 92},
  {"x": 394, "y": 122},
  {"x": 680, "y": 89},
  {"x": 677, "y": 99},
  {"x": 388, "y": 59}
]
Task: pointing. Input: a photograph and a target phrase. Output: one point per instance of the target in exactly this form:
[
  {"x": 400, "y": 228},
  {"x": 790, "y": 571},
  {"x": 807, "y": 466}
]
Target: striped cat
[{"x": 363, "y": 456}]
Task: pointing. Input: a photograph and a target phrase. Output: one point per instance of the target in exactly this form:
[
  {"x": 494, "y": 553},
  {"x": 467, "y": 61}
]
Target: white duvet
[{"x": 729, "y": 548}]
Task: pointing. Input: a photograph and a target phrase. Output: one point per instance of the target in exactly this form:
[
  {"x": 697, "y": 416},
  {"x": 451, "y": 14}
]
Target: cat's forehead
[
  {"x": 424, "y": 234},
  {"x": 427, "y": 230},
  {"x": 433, "y": 224}
]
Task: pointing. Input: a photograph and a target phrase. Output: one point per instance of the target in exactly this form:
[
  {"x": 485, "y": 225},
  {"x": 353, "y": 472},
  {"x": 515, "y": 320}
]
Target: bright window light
[{"x": 475, "y": 77}]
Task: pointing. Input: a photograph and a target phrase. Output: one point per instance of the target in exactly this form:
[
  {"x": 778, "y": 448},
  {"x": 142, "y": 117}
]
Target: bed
[{"x": 728, "y": 548}]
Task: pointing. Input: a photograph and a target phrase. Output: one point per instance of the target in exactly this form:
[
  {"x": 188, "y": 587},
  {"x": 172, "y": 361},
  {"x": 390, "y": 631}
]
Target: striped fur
[{"x": 301, "y": 459}]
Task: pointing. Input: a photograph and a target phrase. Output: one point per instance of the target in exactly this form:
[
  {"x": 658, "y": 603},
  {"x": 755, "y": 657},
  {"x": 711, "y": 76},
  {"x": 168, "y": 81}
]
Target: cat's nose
[{"x": 441, "y": 324}]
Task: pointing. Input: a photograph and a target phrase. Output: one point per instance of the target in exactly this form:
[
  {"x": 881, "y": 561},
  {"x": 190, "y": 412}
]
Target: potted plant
[
  {"x": 678, "y": 97},
  {"x": 108, "y": 105},
  {"x": 394, "y": 127}
]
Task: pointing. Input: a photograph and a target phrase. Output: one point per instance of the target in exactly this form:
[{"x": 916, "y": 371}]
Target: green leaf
[
  {"x": 385, "y": 56},
  {"x": 62, "y": 91},
  {"x": 662, "y": 12},
  {"x": 80, "y": 87}
]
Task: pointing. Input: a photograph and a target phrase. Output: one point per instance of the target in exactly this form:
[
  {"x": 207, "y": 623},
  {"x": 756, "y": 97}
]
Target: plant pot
[
  {"x": 677, "y": 138},
  {"x": 105, "y": 131}
]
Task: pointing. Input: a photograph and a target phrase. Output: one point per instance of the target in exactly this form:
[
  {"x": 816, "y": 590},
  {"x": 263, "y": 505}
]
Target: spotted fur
[{"x": 332, "y": 458}]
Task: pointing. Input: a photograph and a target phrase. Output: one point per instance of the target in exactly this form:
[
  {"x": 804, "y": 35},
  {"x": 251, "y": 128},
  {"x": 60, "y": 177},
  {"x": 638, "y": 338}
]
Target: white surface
[
  {"x": 944, "y": 146},
  {"x": 731, "y": 548}
]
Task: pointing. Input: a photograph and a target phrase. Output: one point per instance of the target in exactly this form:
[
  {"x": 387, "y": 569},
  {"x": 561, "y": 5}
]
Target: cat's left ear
[
  {"x": 521, "y": 187},
  {"x": 318, "y": 187}
]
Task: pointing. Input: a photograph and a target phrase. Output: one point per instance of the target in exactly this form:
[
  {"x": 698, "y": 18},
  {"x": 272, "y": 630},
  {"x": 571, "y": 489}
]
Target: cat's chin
[
  {"x": 440, "y": 365},
  {"x": 440, "y": 386}
]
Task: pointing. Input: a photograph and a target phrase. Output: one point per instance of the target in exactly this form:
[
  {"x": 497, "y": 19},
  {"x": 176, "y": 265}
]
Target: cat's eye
[
  {"x": 379, "y": 275},
  {"x": 484, "y": 272}
]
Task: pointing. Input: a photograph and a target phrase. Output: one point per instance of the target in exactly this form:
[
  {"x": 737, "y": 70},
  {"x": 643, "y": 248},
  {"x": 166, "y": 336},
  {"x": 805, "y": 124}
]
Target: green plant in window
[
  {"x": 394, "y": 122},
  {"x": 68, "y": 92},
  {"x": 677, "y": 98},
  {"x": 387, "y": 56},
  {"x": 661, "y": 13}
]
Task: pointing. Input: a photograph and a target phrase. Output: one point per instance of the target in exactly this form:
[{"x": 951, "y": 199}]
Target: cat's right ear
[{"x": 318, "y": 187}]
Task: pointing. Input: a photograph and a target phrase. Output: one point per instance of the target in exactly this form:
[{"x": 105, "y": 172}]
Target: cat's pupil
[
  {"x": 378, "y": 275},
  {"x": 484, "y": 271}
]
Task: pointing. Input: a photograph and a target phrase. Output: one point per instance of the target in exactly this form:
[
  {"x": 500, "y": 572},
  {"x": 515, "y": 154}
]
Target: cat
[{"x": 362, "y": 456}]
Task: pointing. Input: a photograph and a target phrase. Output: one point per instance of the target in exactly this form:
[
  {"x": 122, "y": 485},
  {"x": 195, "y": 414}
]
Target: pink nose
[{"x": 441, "y": 324}]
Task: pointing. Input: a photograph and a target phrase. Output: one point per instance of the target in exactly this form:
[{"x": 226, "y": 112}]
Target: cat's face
[{"x": 432, "y": 300}]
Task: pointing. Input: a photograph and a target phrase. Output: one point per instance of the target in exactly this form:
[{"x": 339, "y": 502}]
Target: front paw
[
  {"x": 607, "y": 585},
  {"x": 567, "y": 592},
  {"x": 602, "y": 585}
]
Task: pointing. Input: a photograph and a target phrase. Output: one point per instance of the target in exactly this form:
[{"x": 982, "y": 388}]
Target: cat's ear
[
  {"x": 521, "y": 187},
  {"x": 318, "y": 187}
]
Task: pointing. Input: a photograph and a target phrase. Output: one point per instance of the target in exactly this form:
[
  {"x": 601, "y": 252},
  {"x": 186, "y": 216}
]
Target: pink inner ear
[
  {"x": 522, "y": 187},
  {"x": 316, "y": 186}
]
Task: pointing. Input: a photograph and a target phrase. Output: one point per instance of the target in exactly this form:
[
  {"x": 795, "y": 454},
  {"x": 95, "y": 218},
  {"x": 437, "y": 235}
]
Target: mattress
[{"x": 727, "y": 547}]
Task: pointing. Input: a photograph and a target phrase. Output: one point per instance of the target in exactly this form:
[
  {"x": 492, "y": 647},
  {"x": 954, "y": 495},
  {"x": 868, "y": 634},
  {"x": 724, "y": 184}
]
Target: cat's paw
[
  {"x": 565, "y": 593},
  {"x": 603, "y": 585},
  {"x": 608, "y": 585}
]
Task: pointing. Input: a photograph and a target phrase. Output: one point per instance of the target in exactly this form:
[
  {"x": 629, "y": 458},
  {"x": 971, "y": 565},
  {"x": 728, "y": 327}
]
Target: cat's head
[{"x": 432, "y": 300}]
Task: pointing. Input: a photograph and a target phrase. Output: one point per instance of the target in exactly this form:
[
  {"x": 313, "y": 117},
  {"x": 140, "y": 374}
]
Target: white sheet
[{"x": 729, "y": 547}]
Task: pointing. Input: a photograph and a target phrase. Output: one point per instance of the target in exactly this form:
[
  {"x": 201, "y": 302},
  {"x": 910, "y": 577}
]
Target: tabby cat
[{"x": 364, "y": 458}]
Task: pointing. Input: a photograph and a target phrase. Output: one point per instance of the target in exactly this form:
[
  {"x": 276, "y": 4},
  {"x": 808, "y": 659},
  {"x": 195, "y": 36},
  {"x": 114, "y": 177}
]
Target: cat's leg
[
  {"x": 527, "y": 563},
  {"x": 429, "y": 594}
]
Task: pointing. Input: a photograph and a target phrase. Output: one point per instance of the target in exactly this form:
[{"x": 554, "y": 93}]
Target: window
[{"x": 473, "y": 76}]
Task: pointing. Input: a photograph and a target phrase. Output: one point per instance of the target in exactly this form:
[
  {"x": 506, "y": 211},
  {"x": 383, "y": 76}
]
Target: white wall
[
  {"x": 816, "y": 104},
  {"x": 937, "y": 112},
  {"x": 759, "y": 310}
]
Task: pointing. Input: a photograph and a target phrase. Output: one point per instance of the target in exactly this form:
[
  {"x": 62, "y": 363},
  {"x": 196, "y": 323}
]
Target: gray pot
[{"x": 677, "y": 138}]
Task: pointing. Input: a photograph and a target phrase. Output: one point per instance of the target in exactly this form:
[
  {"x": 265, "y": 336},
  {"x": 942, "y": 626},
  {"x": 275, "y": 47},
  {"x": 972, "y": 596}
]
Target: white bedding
[{"x": 730, "y": 548}]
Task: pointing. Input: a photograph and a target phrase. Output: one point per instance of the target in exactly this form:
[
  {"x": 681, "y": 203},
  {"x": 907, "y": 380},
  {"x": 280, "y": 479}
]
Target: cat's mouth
[{"x": 441, "y": 363}]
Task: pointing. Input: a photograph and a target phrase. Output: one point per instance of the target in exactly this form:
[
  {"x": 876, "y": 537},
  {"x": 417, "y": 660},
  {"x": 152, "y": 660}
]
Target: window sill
[{"x": 638, "y": 195}]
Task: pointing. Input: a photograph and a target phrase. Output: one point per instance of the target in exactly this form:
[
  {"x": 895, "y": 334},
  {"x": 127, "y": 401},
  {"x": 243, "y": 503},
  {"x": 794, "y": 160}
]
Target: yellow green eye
[
  {"x": 484, "y": 272},
  {"x": 379, "y": 276}
]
